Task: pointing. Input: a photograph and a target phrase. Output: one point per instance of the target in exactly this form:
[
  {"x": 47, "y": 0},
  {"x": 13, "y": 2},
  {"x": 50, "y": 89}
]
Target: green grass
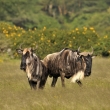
[{"x": 15, "y": 93}]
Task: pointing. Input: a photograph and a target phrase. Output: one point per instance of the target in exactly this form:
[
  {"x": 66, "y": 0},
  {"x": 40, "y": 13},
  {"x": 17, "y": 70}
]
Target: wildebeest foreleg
[
  {"x": 62, "y": 79},
  {"x": 38, "y": 84},
  {"x": 54, "y": 81},
  {"x": 79, "y": 82},
  {"x": 32, "y": 84}
]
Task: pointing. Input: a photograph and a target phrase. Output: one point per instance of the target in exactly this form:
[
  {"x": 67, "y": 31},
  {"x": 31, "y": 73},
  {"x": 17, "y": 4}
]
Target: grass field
[{"x": 15, "y": 92}]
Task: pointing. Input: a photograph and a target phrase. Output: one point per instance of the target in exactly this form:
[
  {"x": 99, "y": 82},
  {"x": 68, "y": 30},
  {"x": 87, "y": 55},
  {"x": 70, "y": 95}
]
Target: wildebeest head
[
  {"x": 27, "y": 57},
  {"x": 88, "y": 59}
]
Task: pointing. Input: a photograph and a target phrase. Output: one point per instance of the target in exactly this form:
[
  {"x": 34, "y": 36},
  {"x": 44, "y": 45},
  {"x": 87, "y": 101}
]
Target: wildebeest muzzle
[
  {"x": 87, "y": 73},
  {"x": 23, "y": 64}
]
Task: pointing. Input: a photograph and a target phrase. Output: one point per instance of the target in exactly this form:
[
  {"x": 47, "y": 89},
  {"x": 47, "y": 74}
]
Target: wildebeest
[
  {"x": 61, "y": 64},
  {"x": 34, "y": 68},
  {"x": 68, "y": 63}
]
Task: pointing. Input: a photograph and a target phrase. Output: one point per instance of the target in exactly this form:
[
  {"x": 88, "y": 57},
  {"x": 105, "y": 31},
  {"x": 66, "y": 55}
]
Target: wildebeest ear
[
  {"x": 35, "y": 57},
  {"x": 93, "y": 56},
  {"x": 19, "y": 51},
  {"x": 31, "y": 50},
  {"x": 81, "y": 56}
]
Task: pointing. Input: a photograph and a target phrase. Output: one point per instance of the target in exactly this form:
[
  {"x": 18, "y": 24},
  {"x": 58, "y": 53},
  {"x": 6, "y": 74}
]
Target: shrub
[
  {"x": 105, "y": 53},
  {"x": 52, "y": 40}
]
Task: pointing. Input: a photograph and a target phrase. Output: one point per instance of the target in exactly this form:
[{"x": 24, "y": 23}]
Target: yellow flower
[
  {"x": 7, "y": 35},
  {"x": 32, "y": 31},
  {"x": 83, "y": 33},
  {"x": 1, "y": 61},
  {"x": 93, "y": 31},
  {"x": 34, "y": 28},
  {"x": 19, "y": 35},
  {"x": 9, "y": 27},
  {"x": 105, "y": 37},
  {"x": 70, "y": 45},
  {"x": 73, "y": 31},
  {"x": 85, "y": 28},
  {"x": 44, "y": 28},
  {"x": 21, "y": 28},
  {"x": 5, "y": 31},
  {"x": 98, "y": 44},
  {"x": 14, "y": 43},
  {"x": 88, "y": 40},
  {"x": 53, "y": 35},
  {"x": 76, "y": 29},
  {"x": 73, "y": 37},
  {"x": 91, "y": 28},
  {"x": 23, "y": 31},
  {"x": 15, "y": 27},
  {"x": 11, "y": 34},
  {"x": 55, "y": 43},
  {"x": 69, "y": 33},
  {"x": 29, "y": 30},
  {"x": 42, "y": 38},
  {"x": 48, "y": 40},
  {"x": 33, "y": 44}
]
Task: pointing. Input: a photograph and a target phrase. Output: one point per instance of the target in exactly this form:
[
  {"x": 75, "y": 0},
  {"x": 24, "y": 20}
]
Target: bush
[
  {"x": 105, "y": 53},
  {"x": 53, "y": 40}
]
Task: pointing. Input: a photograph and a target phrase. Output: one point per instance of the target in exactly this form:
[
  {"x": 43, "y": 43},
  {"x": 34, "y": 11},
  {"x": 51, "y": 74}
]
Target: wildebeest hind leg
[
  {"x": 79, "y": 82},
  {"x": 54, "y": 81}
]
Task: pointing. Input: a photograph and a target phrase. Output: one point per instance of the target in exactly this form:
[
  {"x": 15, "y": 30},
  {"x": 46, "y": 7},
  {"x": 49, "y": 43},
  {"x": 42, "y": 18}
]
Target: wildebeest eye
[{"x": 29, "y": 63}]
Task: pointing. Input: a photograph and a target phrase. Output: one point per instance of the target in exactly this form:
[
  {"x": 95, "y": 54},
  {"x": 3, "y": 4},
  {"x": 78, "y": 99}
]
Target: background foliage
[{"x": 61, "y": 14}]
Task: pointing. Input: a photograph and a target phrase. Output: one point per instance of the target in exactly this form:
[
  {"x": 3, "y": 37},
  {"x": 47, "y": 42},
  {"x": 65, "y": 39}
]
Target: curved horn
[
  {"x": 92, "y": 51},
  {"x": 20, "y": 47},
  {"x": 78, "y": 49}
]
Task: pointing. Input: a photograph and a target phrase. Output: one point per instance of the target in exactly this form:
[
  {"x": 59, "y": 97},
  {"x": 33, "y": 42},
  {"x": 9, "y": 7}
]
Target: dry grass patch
[{"x": 15, "y": 93}]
